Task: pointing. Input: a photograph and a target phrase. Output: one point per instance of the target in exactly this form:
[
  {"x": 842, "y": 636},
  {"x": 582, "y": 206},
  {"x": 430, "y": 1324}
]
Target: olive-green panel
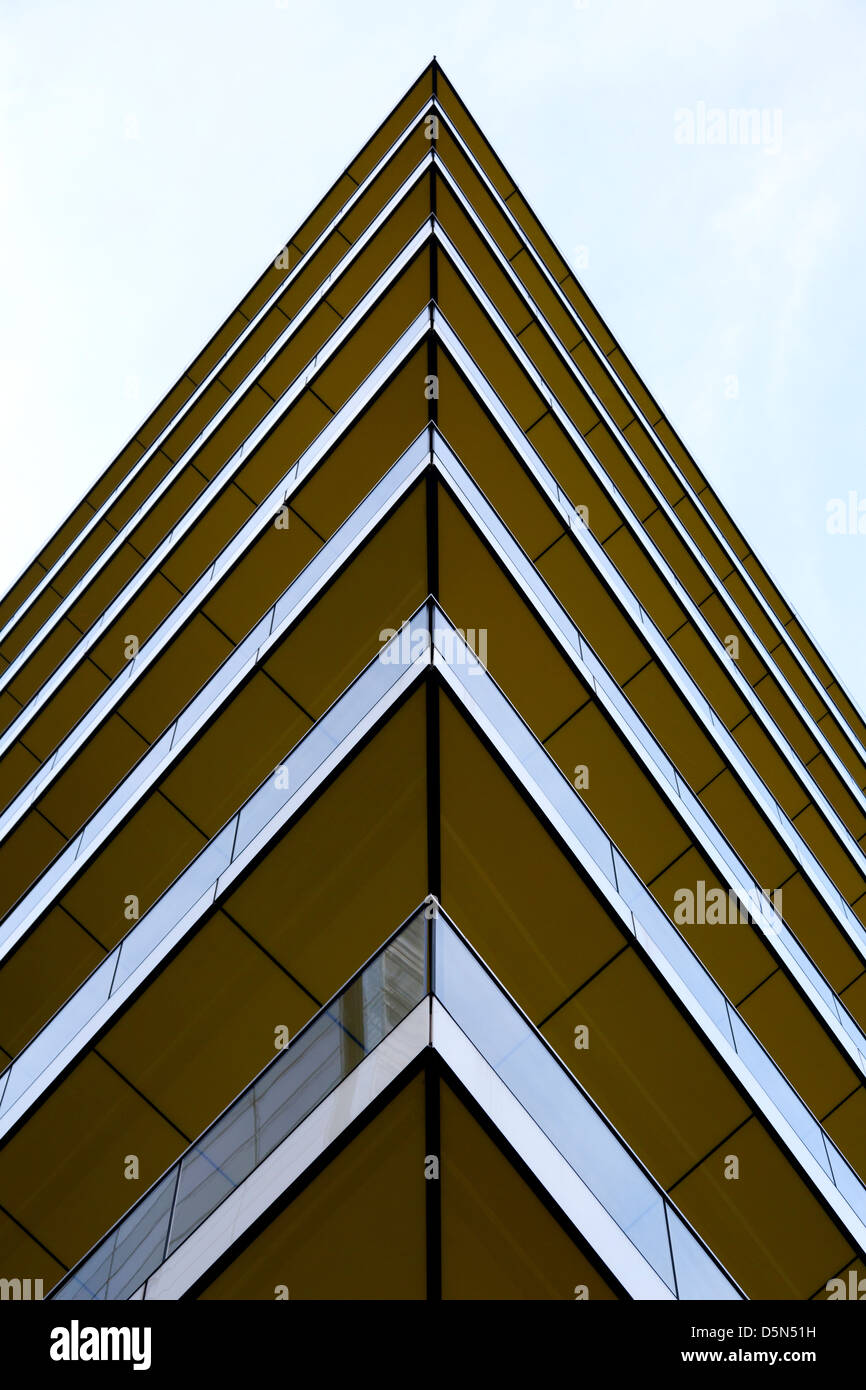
[
  {"x": 62, "y": 1174},
  {"x": 482, "y": 602},
  {"x": 332, "y": 888},
  {"x": 200, "y": 546},
  {"x": 251, "y": 736},
  {"x": 141, "y": 617},
  {"x": 206, "y": 1025},
  {"x": 584, "y": 597},
  {"x": 669, "y": 717},
  {"x": 261, "y": 574},
  {"x": 404, "y": 220},
  {"x": 178, "y": 497},
  {"x": 708, "y": 674},
  {"x": 24, "y": 854},
  {"x": 485, "y": 455},
  {"x": 16, "y": 767},
  {"x": 733, "y": 952},
  {"x": 41, "y": 974},
  {"x": 357, "y": 1231},
  {"x": 476, "y": 142},
  {"x": 799, "y": 1044},
  {"x": 182, "y": 669},
  {"x": 142, "y": 859},
  {"x": 366, "y": 452},
  {"x": 378, "y": 590},
  {"x": 25, "y": 1255},
  {"x": 376, "y": 334},
  {"x": 483, "y": 341},
  {"x": 508, "y": 885},
  {"x": 45, "y": 658},
  {"x": 281, "y": 448},
  {"x": 92, "y": 775},
  {"x": 618, "y": 792},
  {"x": 233, "y": 431},
  {"x": 74, "y": 695},
  {"x": 471, "y": 186},
  {"x": 760, "y": 1219},
  {"x": 499, "y": 1241},
  {"x": 644, "y": 580},
  {"x": 194, "y": 420},
  {"x": 455, "y": 221},
  {"x": 646, "y": 1068}
]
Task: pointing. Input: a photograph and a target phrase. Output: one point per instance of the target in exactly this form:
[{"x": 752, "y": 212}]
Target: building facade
[{"x": 432, "y": 850}]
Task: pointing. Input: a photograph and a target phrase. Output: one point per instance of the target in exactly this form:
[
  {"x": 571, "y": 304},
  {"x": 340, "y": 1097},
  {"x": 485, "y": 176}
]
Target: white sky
[{"x": 154, "y": 156}]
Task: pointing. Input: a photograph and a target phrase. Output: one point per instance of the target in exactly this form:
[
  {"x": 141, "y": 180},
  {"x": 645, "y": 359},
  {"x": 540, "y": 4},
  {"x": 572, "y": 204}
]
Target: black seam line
[
  {"x": 352, "y": 177},
  {"x": 612, "y": 534},
  {"x": 709, "y": 1153},
  {"x": 759, "y": 985},
  {"x": 243, "y": 492},
  {"x": 181, "y": 812},
  {"x": 214, "y": 624},
  {"x": 544, "y": 412},
  {"x": 271, "y": 398},
  {"x": 853, "y": 981},
  {"x": 686, "y": 622},
  {"x": 289, "y": 696},
  {"x": 333, "y": 307},
  {"x": 528, "y": 324},
  {"x": 271, "y": 957},
  {"x": 319, "y": 399},
  {"x": 118, "y": 713},
  {"x": 793, "y": 874},
  {"x": 856, "y": 900},
  {"x": 675, "y": 860},
  {"x": 835, "y": 1107},
  {"x": 341, "y": 233},
  {"x": 567, "y": 720},
  {"x": 27, "y": 1231},
  {"x": 96, "y": 1052},
  {"x": 807, "y": 762},
  {"x": 747, "y": 715},
  {"x": 543, "y": 552},
  {"x": 79, "y": 923},
  {"x": 656, "y": 424},
  {"x": 649, "y": 662},
  {"x": 50, "y": 822},
  {"x": 517, "y": 253},
  {"x": 591, "y": 428},
  {"x": 573, "y": 350},
  {"x": 626, "y": 945},
  {"x": 317, "y": 534},
  {"x": 30, "y": 751}
]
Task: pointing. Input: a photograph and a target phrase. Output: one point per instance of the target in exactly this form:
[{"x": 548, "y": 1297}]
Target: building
[{"x": 432, "y": 850}]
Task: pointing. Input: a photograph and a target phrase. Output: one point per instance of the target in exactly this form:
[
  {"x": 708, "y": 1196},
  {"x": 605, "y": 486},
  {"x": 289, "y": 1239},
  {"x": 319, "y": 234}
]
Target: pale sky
[{"x": 155, "y": 155}]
